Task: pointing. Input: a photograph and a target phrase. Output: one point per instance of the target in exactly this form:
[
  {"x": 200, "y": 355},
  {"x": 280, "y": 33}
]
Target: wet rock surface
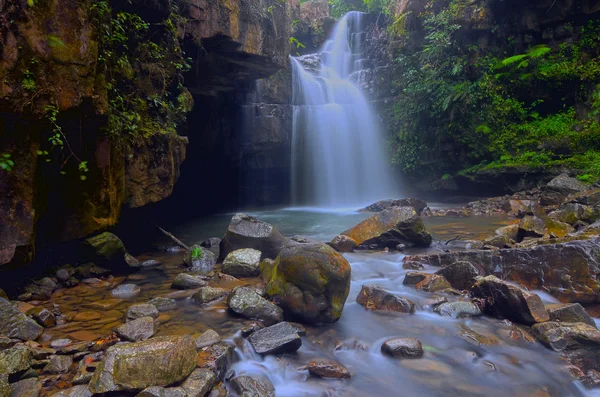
[
  {"x": 276, "y": 339},
  {"x": 258, "y": 386},
  {"x": 136, "y": 330},
  {"x": 199, "y": 259},
  {"x": 309, "y": 281},
  {"x": 209, "y": 294},
  {"x": 343, "y": 243},
  {"x": 248, "y": 303},
  {"x": 372, "y": 297},
  {"x": 459, "y": 309},
  {"x": 242, "y": 263},
  {"x": 15, "y": 324},
  {"x": 188, "y": 281},
  {"x": 461, "y": 275},
  {"x": 382, "y": 205},
  {"x": 328, "y": 369},
  {"x": 403, "y": 348},
  {"x": 573, "y": 313}
]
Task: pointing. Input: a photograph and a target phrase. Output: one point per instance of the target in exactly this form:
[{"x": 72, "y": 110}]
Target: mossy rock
[
  {"x": 309, "y": 281},
  {"x": 108, "y": 250}
]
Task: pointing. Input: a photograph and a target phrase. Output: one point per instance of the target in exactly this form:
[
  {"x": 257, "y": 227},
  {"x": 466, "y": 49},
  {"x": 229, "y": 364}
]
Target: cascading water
[{"x": 338, "y": 158}]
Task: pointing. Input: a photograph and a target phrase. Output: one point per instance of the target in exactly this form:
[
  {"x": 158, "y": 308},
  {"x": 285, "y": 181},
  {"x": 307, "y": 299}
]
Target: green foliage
[
  {"x": 28, "y": 82},
  {"x": 197, "y": 253},
  {"x": 464, "y": 107},
  {"x": 6, "y": 163}
]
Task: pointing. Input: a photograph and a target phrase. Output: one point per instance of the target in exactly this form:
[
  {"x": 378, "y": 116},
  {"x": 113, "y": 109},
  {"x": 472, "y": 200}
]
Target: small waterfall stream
[{"x": 338, "y": 156}]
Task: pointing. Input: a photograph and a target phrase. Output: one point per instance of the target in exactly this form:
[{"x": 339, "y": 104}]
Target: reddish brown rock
[
  {"x": 375, "y": 298},
  {"x": 328, "y": 369}
]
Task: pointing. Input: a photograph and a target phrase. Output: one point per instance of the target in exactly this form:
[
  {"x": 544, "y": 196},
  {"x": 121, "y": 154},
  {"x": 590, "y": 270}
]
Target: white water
[{"x": 338, "y": 156}]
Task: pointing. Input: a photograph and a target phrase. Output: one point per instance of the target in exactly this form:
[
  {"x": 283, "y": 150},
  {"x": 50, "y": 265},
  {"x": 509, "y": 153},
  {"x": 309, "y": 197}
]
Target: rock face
[
  {"x": 15, "y": 324},
  {"x": 391, "y": 227},
  {"x": 507, "y": 301},
  {"x": 276, "y": 339},
  {"x": 242, "y": 263},
  {"x": 309, "y": 281},
  {"x": 248, "y": 303},
  {"x": 568, "y": 271},
  {"x": 375, "y": 298},
  {"x": 245, "y": 231},
  {"x": 382, "y": 205},
  {"x": 160, "y": 361}
]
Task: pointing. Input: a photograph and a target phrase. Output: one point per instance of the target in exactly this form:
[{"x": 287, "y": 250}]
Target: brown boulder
[
  {"x": 375, "y": 298},
  {"x": 343, "y": 243}
]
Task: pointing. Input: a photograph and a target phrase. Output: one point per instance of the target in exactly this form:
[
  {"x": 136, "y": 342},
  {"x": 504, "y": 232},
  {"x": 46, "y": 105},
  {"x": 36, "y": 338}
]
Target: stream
[{"x": 463, "y": 357}]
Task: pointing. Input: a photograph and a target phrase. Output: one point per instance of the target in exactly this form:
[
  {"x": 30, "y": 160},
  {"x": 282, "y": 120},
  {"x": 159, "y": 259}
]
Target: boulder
[
  {"x": 396, "y": 225},
  {"x": 504, "y": 300},
  {"x": 588, "y": 197},
  {"x": 426, "y": 282},
  {"x": 572, "y": 212},
  {"x": 568, "y": 271},
  {"x": 256, "y": 386},
  {"x": 579, "y": 343},
  {"x": 276, "y": 339},
  {"x": 188, "y": 281},
  {"x": 199, "y": 383},
  {"x": 461, "y": 275},
  {"x": 75, "y": 391},
  {"x": 157, "y": 391},
  {"x": 141, "y": 310},
  {"x": 403, "y": 348},
  {"x": 136, "y": 330},
  {"x": 382, "y": 205},
  {"x": 375, "y": 298},
  {"x": 343, "y": 243},
  {"x": 58, "y": 365},
  {"x": 42, "y": 316},
  {"x": 517, "y": 207},
  {"x": 510, "y": 231},
  {"x": 559, "y": 188},
  {"x": 15, "y": 324},
  {"x": 458, "y": 309},
  {"x": 208, "y": 338},
  {"x": 199, "y": 259},
  {"x": 31, "y": 387},
  {"x": 323, "y": 368},
  {"x": 244, "y": 262},
  {"x": 309, "y": 281},
  {"x": 531, "y": 226},
  {"x": 216, "y": 357},
  {"x": 245, "y": 231},
  {"x": 15, "y": 359},
  {"x": 160, "y": 361},
  {"x": 573, "y": 313},
  {"x": 163, "y": 304},
  {"x": 108, "y": 250},
  {"x": 209, "y": 294},
  {"x": 248, "y": 303}
]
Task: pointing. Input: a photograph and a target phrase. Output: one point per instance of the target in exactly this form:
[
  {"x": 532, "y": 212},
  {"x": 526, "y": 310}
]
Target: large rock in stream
[
  {"x": 559, "y": 188},
  {"x": 245, "y": 231},
  {"x": 393, "y": 226},
  {"x": 108, "y": 250},
  {"x": 15, "y": 324},
  {"x": 248, "y": 303},
  {"x": 161, "y": 361},
  {"x": 569, "y": 271},
  {"x": 309, "y": 281},
  {"x": 382, "y": 205}
]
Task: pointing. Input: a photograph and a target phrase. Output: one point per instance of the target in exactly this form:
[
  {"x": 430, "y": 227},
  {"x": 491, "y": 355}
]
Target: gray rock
[
  {"x": 160, "y": 361},
  {"x": 217, "y": 358},
  {"x": 458, "y": 309},
  {"x": 382, "y": 205},
  {"x": 573, "y": 313},
  {"x": 208, "y": 338},
  {"x": 63, "y": 275},
  {"x": 157, "y": 391},
  {"x": 42, "y": 316},
  {"x": 15, "y": 324},
  {"x": 209, "y": 294},
  {"x": 125, "y": 291},
  {"x": 243, "y": 262},
  {"x": 108, "y": 250},
  {"x": 276, "y": 339},
  {"x": 16, "y": 359},
  {"x": 136, "y": 330},
  {"x": 75, "y": 391},
  {"x": 256, "y": 386},
  {"x": 403, "y": 348},
  {"x": 151, "y": 263},
  {"x": 163, "y": 304},
  {"x": 246, "y": 302},
  {"x": 58, "y": 365},
  {"x": 199, "y": 383},
  {"x": 141, "y": 310},
  {"x": 559, "y": 188},
  {"x": 188, "y": 281},
  {"x": 245, "y": 231},
  {"x": 26, "y": 388},
  {"x": 461, "y": 275},
  {"x": 199, "y": 259},
  {"x": 372, "y": 297},
  {"x": 211, "y": 242}
]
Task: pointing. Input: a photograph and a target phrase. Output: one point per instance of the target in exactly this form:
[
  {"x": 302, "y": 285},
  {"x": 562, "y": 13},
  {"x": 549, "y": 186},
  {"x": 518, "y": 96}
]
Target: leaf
[
  {"x": 54, "y": 41},
  {"x": 513, "y": 59}
]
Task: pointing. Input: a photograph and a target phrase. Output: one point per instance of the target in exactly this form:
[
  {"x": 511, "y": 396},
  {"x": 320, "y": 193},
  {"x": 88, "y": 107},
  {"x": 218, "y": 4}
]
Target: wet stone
[
  {"x": 16, "y": 359},
  {"x": 141, "y": 310},
  {"x": 15, "y": 324},
  {"x": 157, "y": 391},
  {"x": 199, "y": 383},
  {"x": 188, "y": 281},
  {"x": 258, "y": 386},
  {"x": 276, "y": 339},
  {"x": 63, "y": 275},
  {"x": 573, "y": 313},
  {"x": 58, "y": 365},
  {"x": 163, "y": 304},
  {"x": 216, "y": 357},
  {"x": 248, "y": 303},
  {"x": 403, "y": 348},
  {"x": 26, "y": 388},
  {"x": 4, "y": 387},
  {"x": 43, "y": 316},
  {"x": 327, "y": 369},
  {"x": 372, "y": 297},
  {"x": 150, "y": 263},
  {"x": 126, "y": 291},
  {"x": 75, "y": 391},
  {"x": 209, "y": 294},
  {"x": 59, "y": 343},
  {"x": 136, "y": 330},
  {"x": 458, "y": 309},
  {"x": 87, "y": 316},
  {"x": 105, "y": 304},
  {"x": 242, "y": 263},
  {"x": 461, "y": 275},
  {"x": 343, "y": 243},
  {"x": 208, "y": 338}
]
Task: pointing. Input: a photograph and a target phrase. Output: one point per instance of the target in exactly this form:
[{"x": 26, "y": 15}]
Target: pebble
[{"x": 403, "y": 348}]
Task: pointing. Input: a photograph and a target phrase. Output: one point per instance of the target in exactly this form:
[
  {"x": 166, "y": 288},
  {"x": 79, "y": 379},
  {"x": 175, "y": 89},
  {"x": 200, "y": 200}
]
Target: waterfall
[{"x": 338, "y": 156}]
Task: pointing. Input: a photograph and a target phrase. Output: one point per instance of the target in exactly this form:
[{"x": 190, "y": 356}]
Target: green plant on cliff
[
  {"x": 142, "y": 65},
  {"x": 6, "y": 163},
  {"x": 470, "y": 108}
]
